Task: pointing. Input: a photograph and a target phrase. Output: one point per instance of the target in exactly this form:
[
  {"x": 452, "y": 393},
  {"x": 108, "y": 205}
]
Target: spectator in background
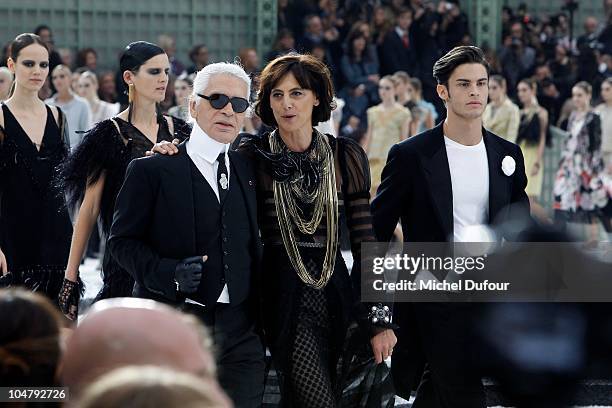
[
  {"x": 29, "y": 340},
  {"x": 122, "y": 332},
  {"x": 183, "y": 86},
  {"x": 517, "y": 59},
  {"x": 591, "y": 34},
  {"x": 359, "y": 66},
  {"x": 150, "y": 386},
  {"x": 6, "y": 82},
  {"x": 199, "y": 57},
  {"x": 88, "y": 59},
  {"x": 78, "y": 114},
  {"x": 531, "y": 138},
  {"x": 168, "y": 44},
  {"x": 74, "y": 79},
  {"x": 381, "y": 24},
  {"x": 284, "y": 43},
  {"x": 501, "y": 116},
  {"x": 388, "y": 124},
  {"x": 88, "y": 89},
  {"x": 107, "y": 90},
  {"x": 563, "y": 70},
  {"x": 249, "y": 61},
  {"x": 313, "y": 33},
  {"x": 454, "y": 23},
  {"x": 67, "y": 56},
  {"x": 45, "y": 34},
  {"x": 397, "y": 51}
]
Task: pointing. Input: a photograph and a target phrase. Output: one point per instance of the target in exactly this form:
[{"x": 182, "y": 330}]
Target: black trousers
[
  {"x": 451, "y": 378},
  {"x": 239, "y": 351}
]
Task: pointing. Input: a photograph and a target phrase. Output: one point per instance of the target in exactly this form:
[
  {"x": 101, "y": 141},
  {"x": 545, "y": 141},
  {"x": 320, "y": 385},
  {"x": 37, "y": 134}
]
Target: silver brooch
[
  {"x": 223, "y": 181},
  {"x": 380, "y": 313}
]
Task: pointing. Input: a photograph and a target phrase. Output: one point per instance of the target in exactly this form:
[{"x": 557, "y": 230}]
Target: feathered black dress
[{"x": 108, "y": 150}]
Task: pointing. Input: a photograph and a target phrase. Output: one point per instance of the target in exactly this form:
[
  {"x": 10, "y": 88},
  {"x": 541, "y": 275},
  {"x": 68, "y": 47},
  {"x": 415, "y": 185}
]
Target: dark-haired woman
[
  {"x": 94, "y": 172},
  {"x": 35, "y": 227},
  {"x": 307, "y": 182}
]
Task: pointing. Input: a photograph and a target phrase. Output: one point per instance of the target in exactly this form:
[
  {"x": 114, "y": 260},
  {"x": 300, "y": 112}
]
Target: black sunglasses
[{"x": 218, "y": 101}]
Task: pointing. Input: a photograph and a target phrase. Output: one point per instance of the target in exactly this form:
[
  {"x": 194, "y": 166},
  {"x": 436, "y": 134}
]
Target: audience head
[
  {"x": 404, "y": 19},
  {"x": 152, "y": 387},
  {"x": 402, "y": 85},
  {"x": 28, "y": 61},
  {"x": 88, "y": 58},
  {"x": 128, "y": 331},
  {"x": 285, "y": 41},
  {"x": 295, "y": 91},
  {"x": 220, "y": 99},
  {"x": 45, "y": 34},
  {"x": 313, "y": 25},
  {"x": 167, "y": 43},
  {"x": 29, "y": 339},
  {"x": 249, "y": 59},
  {"x": 463, "y": 75},
  {"x": 199, "y": 55}
]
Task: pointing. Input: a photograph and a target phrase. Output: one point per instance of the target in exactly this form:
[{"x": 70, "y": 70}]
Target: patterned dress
[{"x": 580, "y": 184}]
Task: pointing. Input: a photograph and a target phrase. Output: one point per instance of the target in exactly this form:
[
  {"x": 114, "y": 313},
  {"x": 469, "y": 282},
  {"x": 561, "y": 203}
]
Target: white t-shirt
[{"x": 469, "y": 172}]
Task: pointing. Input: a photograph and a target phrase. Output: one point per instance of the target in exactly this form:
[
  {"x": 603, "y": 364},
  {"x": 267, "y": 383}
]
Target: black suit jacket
[
  {"x": 395, "y": 57},
  {"x": 416, "y": 188},
  {"x": 154, "y": 228}
]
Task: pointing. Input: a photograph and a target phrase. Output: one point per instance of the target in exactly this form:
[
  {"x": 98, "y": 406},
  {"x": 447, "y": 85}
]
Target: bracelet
[{"x": 380, "y": 314}]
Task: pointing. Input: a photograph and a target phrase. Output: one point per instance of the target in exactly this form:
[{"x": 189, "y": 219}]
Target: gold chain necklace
[{"x": 289, "y": 214}]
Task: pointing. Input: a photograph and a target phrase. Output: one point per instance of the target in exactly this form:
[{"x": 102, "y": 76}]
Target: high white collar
[{"x": 202, "y": 145}]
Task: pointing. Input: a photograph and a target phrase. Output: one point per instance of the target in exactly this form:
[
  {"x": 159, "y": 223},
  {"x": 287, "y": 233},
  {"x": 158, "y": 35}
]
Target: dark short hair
[
  {"x": 309, "y": 72},
  {"x": 465, "y": 54}
]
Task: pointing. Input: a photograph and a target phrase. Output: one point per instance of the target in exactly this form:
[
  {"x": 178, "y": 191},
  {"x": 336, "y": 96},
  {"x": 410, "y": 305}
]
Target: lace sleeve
[
  {"x": 101, "y": 151},
  {"x": 182, "y": 129},
  {"x": 356, "y": 183}
]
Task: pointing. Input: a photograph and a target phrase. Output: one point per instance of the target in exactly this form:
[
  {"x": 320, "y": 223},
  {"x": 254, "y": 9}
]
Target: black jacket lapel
[
  {"x": 500, "y": 185},
  {"x": 437, "y": 173},
  {"x": 181, "y": 186}
]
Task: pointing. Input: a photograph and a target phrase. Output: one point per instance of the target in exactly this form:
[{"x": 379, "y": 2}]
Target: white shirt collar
[{"x": 203, "y": 146}]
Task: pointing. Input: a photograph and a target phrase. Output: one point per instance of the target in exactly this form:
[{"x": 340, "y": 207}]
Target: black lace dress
[
  {"x": 35, "y": 228},
  {"x": 306, "y": 328},
  {"x": 106, "y": 150}
]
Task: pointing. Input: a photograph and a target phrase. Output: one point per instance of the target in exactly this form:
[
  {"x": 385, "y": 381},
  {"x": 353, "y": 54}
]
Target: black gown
[
  {"x": 35, "y": 228},
  {"x": 306, "y": 328},
  {"x": 105, "y": 150}
]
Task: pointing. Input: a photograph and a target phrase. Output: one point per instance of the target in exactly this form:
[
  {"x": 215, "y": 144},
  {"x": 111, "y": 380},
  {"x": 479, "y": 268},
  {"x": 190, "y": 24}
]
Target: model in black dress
[
  {"x": 95, "y": 170},
  {"x": 35, "y": 228}
]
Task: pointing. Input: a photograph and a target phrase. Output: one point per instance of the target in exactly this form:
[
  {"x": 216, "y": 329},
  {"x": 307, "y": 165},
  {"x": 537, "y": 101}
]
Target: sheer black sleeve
[
  {"x": 102, "y": 151},
  {"x": 355, "y": 171},
  {"x": 182, "y": 129}
]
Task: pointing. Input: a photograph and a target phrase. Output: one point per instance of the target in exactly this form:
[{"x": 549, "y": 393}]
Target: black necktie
[{"x": 222, "y": 177}]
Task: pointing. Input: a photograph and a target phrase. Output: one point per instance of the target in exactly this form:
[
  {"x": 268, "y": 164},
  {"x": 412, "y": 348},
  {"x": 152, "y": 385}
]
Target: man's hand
[
  {"x": 164, "y": 147},
  {"x": 382, "y": 345},
  {"x": 188, "y": 273}
]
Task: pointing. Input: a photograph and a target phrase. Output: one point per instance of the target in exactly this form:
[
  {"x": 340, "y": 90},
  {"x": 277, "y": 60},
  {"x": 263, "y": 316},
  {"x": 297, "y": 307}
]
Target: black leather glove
[
  {"x": 188, "y": 274},
  {"x": 68, "y": 299}
]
